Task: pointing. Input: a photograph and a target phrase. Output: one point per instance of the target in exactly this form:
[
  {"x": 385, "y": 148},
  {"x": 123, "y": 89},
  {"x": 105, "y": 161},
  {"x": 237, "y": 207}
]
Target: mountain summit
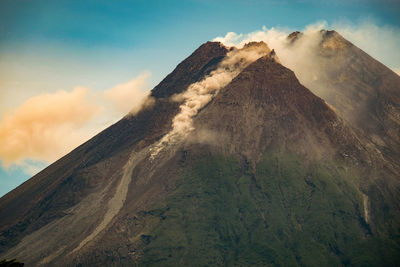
[{"x": 233, "y": 162}]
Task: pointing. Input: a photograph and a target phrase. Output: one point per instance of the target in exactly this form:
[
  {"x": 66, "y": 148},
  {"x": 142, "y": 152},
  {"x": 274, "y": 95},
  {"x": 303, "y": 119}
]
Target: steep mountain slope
[
  {"x": 263, "y": 183},
  {"x": 92, "y": 166},
  {"x": 235, "y": 163},
  {"x": 361, "y": 89}
]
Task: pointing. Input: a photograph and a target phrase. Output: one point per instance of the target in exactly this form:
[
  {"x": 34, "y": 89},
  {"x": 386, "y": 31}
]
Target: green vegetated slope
[{"x": 282, "y": 214}]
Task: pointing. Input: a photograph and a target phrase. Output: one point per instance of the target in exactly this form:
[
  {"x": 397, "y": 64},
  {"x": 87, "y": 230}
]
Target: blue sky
[{"x": 50, "y": 45}]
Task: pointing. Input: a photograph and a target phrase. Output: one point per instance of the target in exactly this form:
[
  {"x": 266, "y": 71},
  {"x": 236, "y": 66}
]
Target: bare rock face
[
  {"x": 258, "y": 170},
  {"x": 362, "y": 90},
  {"x": 265, "y": 105}
]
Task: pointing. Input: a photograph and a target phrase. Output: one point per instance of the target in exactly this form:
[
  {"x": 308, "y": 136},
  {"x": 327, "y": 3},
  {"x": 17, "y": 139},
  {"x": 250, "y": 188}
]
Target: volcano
[{"x": 232, "y": 161}]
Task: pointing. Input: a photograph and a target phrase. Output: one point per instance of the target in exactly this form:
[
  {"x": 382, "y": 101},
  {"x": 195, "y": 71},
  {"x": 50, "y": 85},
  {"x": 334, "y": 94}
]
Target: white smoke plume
[
  {"x": 381, "y": 42},
  {"x": 301, "y": 56},
  {"x": 310, "y": 58},
  {"x": 200, "y": 93}
]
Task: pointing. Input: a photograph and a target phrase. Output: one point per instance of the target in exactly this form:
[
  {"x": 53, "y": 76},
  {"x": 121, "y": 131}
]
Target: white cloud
[{"x": 381, "y": 42}]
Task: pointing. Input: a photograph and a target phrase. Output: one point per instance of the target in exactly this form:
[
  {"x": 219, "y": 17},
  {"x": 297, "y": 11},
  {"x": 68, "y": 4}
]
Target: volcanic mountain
[{"x": 231, "y": 161}]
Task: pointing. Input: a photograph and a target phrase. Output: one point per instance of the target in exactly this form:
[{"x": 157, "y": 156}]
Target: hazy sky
[{"x": 55, "y": 55}]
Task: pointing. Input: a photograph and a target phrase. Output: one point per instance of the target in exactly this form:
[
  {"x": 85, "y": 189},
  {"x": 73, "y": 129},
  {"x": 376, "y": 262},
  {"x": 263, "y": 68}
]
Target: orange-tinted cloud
[
  {"x": 45, "y": 126},
  {"x": 129, "y": 97}
]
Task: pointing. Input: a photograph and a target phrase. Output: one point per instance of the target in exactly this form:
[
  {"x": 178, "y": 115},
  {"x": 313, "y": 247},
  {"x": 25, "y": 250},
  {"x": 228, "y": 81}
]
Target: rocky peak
[
  {"x": 362, "y": 90},
  {"x": 294, "y": 36},
  {"x": 273, "y": 55},
  {"x": 260, "y": 45},
  {"x": 200, "y": 63},
  {"x": 333, "y": 41},
  {"x": 330, "y": 40}
]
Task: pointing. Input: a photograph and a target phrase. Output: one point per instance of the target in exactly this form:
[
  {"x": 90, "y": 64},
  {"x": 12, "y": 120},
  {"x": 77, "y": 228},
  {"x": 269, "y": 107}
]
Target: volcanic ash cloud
[{"x": 200, "y": 93}]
